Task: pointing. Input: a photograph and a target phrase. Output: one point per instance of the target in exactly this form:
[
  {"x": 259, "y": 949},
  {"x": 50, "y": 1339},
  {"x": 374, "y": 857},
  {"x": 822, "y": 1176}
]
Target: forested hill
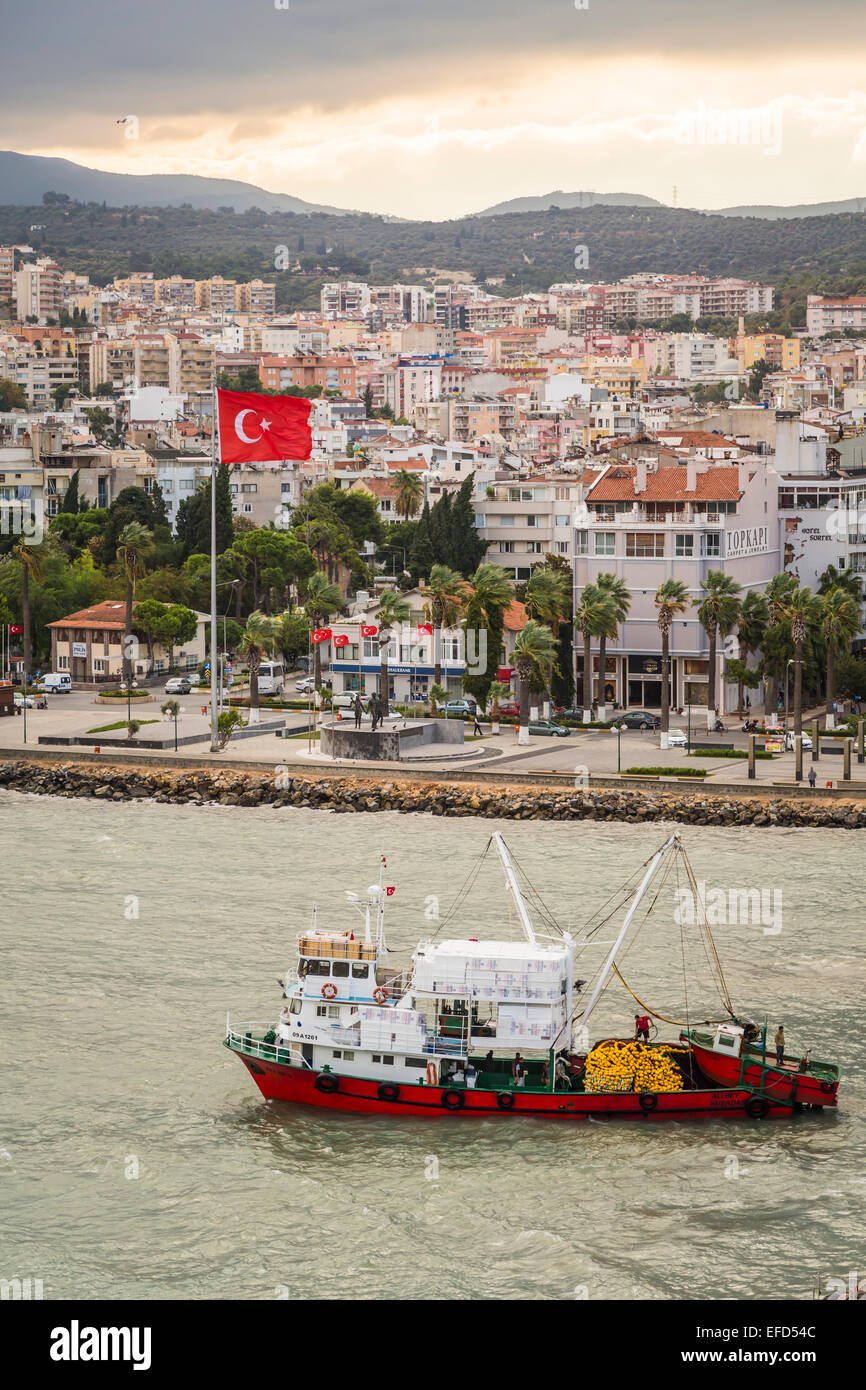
[{"x": 530, "y": 250}]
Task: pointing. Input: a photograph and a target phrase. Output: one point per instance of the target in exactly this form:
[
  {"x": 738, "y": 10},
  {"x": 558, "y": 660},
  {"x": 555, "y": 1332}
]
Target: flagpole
[{"x": 214, "y": 724}]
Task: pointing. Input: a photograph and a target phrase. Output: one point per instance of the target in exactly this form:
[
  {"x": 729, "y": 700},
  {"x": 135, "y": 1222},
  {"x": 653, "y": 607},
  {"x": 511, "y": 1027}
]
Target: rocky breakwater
[{"x": 344, "y": 795}]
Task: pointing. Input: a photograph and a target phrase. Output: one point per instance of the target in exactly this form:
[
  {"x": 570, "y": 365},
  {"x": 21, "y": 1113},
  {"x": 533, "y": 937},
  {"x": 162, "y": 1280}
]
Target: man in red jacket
[{"x": 641, "y": 1027}]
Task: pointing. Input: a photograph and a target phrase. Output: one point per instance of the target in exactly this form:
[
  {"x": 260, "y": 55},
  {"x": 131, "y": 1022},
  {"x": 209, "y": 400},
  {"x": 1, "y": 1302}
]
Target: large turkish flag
[{"x": 256, "y": 428}]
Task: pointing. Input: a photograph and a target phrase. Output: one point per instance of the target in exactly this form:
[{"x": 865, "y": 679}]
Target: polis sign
[{"x": 747, "y": 540}]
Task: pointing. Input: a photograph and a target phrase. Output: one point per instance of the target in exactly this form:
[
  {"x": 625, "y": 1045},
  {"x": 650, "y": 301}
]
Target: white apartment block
[
  {"x": 826, "y": 312},
  {"x": 526, "y": 519}
]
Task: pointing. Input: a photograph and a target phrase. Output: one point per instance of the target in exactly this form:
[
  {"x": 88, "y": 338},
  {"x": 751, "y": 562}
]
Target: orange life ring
[
  {"x": 329, "y": 991},
  {"x": 380, "y": 995},
  {"x": 432, "y": 1075}
]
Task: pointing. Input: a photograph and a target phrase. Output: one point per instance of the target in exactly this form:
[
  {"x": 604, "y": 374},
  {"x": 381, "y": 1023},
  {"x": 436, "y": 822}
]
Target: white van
[
  {"x": 55, "y": 683},
  {"x": 271, "y": 677}
]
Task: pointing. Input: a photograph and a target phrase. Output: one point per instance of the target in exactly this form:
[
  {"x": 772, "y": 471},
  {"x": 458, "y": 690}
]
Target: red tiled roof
[
  {"x": 109, "y": 614},
  {"x": 667, "y": 485},
  {"x": 515, "y": 619}
]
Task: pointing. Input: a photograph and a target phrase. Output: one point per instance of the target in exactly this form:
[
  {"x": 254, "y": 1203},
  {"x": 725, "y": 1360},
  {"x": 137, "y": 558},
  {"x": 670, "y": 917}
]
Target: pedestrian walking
[
  {"x": 476, "y": 726},
  {"x": 812, "y": 777}
]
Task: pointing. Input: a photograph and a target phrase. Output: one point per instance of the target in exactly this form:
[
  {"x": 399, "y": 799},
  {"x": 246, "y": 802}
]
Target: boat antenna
[{"x": 514, "y": 887}]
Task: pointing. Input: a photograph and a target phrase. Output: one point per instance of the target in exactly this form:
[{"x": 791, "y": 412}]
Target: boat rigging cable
[{"x": 531, "y": 892}]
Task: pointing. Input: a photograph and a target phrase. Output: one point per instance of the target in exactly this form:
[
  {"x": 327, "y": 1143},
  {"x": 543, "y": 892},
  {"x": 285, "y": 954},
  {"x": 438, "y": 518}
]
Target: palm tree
[
  {"x": 534, "y": 651},
  {"x": 751, "y": 627},
  {"x": 617, "y": 591},
  {"x": 777, "y": 593},
  {"x": 445, "y": 593},
  {"x": 548, "y": 599},
  {"x": 498, "y": 691},
  {"x": 31, "y": 568},
  {"x": 133, "y": 543},
  {"x": 593, "y": 614},
  {"x": 490, "y": 594},
  {"x": 256, "y": 641},
  {"x": 800, "y": 609},
  {"x": 718, "y": 610},
  {"x": 845, "y": 579},
  {"x": 672, "y": 598},
  {"x": 322, "y": 599},
  {"x": 392, "y": 609},
  {"x": 408, "y": 491},
  {"x": 839, "y": 614}
]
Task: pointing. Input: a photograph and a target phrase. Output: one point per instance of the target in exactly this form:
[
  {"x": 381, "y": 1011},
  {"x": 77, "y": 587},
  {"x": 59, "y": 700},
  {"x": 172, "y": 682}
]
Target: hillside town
[{"x": 630, "y": 438}]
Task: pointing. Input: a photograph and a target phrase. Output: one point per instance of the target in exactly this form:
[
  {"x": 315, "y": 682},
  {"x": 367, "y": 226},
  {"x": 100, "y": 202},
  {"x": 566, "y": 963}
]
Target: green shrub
[
  {"x": 666, "y": 771},
  {"x": 729, "y": 753}
]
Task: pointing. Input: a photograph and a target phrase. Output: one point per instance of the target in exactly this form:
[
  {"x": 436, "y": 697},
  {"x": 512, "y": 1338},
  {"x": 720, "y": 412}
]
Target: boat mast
[
  {"x": 608, "y": 965},
  {"x": 515, "y": 889}
]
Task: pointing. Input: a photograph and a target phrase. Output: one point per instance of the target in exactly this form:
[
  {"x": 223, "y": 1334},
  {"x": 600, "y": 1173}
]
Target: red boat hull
[
  {"x": 361, "y": 1096},
  {"x": 786, "y": 1086}
]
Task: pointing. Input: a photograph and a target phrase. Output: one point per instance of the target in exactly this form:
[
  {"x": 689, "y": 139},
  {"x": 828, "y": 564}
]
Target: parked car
[
  {"x": 305, "y": 686},
  {"x": 346, "y": 699},
  {"x": 677, "y": 739},
  {"x": 509, "y": 709},
  {"x": 466, "y": 708},
  {"x": 177, "y": 685},
  {"x": 22, "y": 700},
  {"x": 640, "y": 719},
  {"x": 790, "y": 736},
  {"x": 548, "y": 728}
]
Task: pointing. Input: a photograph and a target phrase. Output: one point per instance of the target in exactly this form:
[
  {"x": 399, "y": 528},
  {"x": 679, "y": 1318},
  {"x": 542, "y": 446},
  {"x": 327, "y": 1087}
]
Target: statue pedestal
[{"x": 391, "y": 743}]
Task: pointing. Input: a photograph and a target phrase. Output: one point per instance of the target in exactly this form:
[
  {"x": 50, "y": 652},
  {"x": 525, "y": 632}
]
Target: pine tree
[
  {"x": 466, "y": 545},
  {"x": 70, "y": 500},
  {"x": 421, "y": 556},
  {"x": 441, "y": 532}
]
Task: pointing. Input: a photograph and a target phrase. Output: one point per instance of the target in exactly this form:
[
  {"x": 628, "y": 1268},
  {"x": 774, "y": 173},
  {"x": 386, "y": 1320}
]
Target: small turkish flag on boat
[
  {"x": 341, "y": 641},
  {"x": 390, "y": 892},
  {"x": 368, "y": 629},
  {"x": 256, "y": 428},
  {"x": 320, "y": 634}
]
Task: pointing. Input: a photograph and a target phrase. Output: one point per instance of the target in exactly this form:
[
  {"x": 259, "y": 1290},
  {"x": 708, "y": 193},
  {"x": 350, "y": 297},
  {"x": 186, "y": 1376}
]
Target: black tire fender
[
  {"x": 648, "y": 1100},
  {"x": 505, "y": 1100},
  {"x": 327, "y": 1083},
  {"x": 453, "y": 1100},
  {"x": 387, "y": 1090},
  {"x": 757, "y": 1107}
]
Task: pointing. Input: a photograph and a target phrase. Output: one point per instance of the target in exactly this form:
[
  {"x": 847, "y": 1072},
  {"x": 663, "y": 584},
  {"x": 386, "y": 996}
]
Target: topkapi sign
[{"x": 747, "y": 540}]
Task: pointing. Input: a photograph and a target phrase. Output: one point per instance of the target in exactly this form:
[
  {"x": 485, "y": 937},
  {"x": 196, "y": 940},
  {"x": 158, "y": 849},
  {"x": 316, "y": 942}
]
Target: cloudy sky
[{"x": 435, "y": 108}]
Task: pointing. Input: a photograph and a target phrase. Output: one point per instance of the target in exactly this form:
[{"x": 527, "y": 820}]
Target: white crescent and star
[{"x": 239, "y": 427}]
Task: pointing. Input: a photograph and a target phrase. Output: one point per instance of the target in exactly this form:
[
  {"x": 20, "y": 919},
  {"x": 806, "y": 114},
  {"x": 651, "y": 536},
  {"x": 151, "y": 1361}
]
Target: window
[
  {"x": 186, "y": 485},
  {"x": 387, "y": 1061},
  {"x": 371, "y": 647},
  {"x": 340, "y": 969},
  {"x": 533, "y": 547},
  {"x": 581, "y": 542},
  {"x": 711, "y": 544},
  {"x": 506, "y": 547},
  {"x": 348, "y": 1056},
  {"x": 249, "y": 487},
  {"x": 562, "y": 547},
  {"x": 99, "y": 665},
  {"x": 505, "y": 521},
  {"x": 321, "y": 1011},
  {"x": 605, "y": 543},
  {"x": 684, "y": 546},
  {"x": 532, "y": 520},
  {"x": 416, "y": 1062},
  {"x": 334, "y": 1012},
  {"x": 645, "y": 544},
  {"x": 376, "y": 1057},
  {"x": 562, "y": 520}
]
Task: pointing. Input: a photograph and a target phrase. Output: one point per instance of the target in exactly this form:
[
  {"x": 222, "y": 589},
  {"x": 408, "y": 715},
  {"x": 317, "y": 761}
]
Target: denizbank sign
[{"x": 745, "y": 541}]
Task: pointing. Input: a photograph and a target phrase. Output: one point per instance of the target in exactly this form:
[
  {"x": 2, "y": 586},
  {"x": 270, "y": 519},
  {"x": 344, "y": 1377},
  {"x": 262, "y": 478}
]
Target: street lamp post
[
  {"x": 689, "y": 748},
  {"x": 788, "y": 664},
  {"x": 617, "y": 729}
]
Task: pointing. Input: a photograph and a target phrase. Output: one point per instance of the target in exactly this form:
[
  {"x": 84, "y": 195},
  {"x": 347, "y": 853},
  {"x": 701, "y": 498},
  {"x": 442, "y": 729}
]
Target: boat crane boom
[
  {"x": 515, "y": 889},
  {"x": 608, "y": 965}
]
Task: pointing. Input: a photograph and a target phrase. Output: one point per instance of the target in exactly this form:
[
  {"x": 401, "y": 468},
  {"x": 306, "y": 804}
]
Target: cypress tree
[
  {"x": 467, "y": 547},
  {"x": 421, "y": 556}
]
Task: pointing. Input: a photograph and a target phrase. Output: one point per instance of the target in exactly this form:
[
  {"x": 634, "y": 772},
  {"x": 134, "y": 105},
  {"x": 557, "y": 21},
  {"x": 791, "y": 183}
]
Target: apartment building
[
  {"x": 7, "y": 269},
  {"x": 40, "y": 373},
  {"x": 524, "y": 520},
  {"x": 256, "y": 297},
  {"x": 22, "y": 483},
  {"x": 826, "y": 312},
  {"x": 217, "y": 295},
  {"x": 647, "y": 523},
  {"x": 332, "y": 371},
  {"x": 344, "y": 297},
  {"x": 38, "y": 289}
]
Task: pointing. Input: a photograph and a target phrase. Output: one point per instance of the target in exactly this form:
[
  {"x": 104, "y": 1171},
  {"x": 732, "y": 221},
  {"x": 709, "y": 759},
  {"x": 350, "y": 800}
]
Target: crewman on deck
[
  {"x": 641, "y": 1027},
  {"x": 779, "y": 1041}
]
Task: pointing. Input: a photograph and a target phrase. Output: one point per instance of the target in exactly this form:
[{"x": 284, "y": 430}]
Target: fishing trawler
[{"x": 500, "y": 1027}]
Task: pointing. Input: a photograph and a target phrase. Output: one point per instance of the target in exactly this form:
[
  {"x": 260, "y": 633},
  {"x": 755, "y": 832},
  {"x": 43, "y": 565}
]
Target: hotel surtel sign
[{"x": 747, "y": 540}]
